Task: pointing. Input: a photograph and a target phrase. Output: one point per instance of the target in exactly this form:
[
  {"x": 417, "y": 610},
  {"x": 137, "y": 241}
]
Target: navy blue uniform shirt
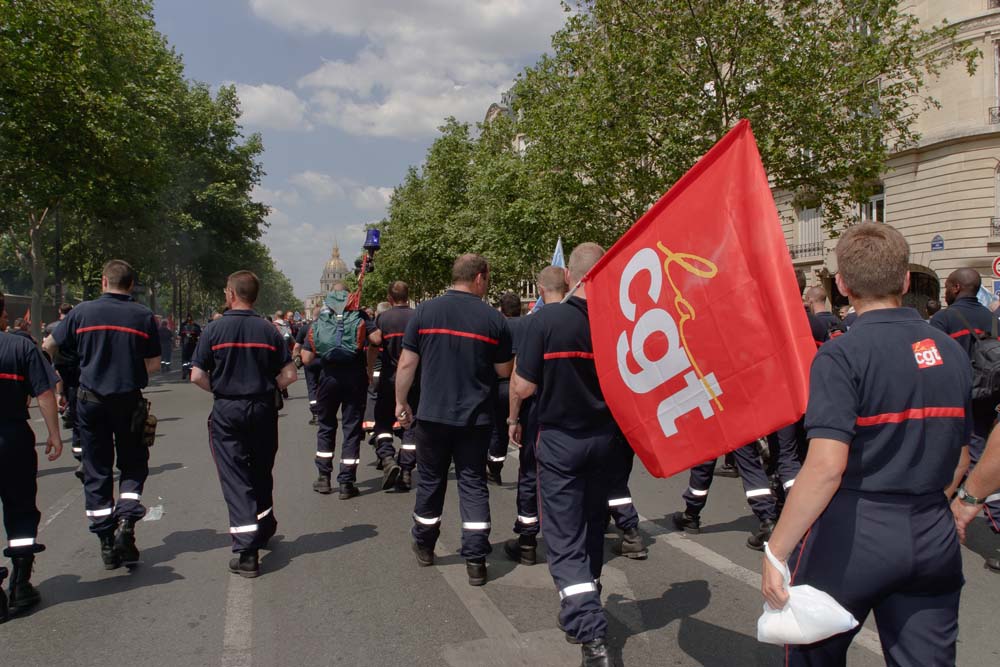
[
  {"x": 459, "y": 338},
  {"x": 243, "y": 353},
  {"x": 897, "y": 391},
  {"x": 111, "y": 336},
  {"x": 950, "y": 322},
  {"x": 23, "y": 373},
  {"x": 392, "y": 323},
  {"x": 517, "y": 327},
  {"x": 557, "y": 354}
]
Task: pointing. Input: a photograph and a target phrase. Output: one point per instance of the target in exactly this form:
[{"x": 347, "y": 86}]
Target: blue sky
[{"x": 347, "y": 95}]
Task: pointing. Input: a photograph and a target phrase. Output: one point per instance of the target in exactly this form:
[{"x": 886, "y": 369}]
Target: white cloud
[
  {"x": 274, "y": 198},
  {"x": 423, "y": 60},
  {"x": 272, "y": 107},
  {"x": 326, "y": 188}
]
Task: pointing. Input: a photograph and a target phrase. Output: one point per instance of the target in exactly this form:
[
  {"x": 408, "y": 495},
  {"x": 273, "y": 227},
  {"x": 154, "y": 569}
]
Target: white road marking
[
  {"x": 237, "y": 642},
  {"x": 61, "y": 506},
  {"x": 866, "y": 638},
  {"x": 154, "y": 513}
]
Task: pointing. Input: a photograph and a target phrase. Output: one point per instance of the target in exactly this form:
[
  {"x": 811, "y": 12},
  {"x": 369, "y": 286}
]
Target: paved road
[{"x": 341, "y": 586}]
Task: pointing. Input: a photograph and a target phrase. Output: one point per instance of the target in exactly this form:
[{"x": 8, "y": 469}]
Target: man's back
[
  {"x": 392, "y": 323},
  {"x": 957, "y": 318},
  {"x": 112, "y": 337},
  {"x": 459, "y": 338}
]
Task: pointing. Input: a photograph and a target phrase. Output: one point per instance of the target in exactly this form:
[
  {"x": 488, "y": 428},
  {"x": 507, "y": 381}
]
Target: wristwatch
[
  {"x": 968, "y": 498},
  {"x": 513, "y": 422}
]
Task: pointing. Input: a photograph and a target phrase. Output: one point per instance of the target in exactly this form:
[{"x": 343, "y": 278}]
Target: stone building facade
[{"x": 943, "y": 194}]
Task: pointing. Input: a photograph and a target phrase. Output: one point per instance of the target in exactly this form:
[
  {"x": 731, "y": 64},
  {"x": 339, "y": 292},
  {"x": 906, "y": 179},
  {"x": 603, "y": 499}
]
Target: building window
[
  {"x": 810, "y": 237},
  {"x": 873, "y": 210}
]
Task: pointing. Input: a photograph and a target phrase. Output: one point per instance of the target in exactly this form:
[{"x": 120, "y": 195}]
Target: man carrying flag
[{"x": 578, "y": 442}]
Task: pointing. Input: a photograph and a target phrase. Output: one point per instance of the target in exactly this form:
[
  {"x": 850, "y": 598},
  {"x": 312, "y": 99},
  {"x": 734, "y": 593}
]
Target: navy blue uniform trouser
[
  {"x": 343, "y": 388},
  {"x": 385, "y": 418},
  {"x": 438, "y": 445},
  {"x": 788, "y": 449},
  {"x": 108, "y": 440},
  {"x": 71, "y": 418},
  {"x": 243, "y": 433},
  {"x": 893, "y": 554},
  {"x": 187, "y": 352},
  {"x": 499, "y": 439},
  {"x": 18, "y": 487},
  {"x": 312, "y": 371},
  {"x": 527, "y": 472},
  {"x": 755, "y": 484},
  {"x": 984, "y": 417},
  {"x": 620, "y": 497},
  {"x": 573, "y": 487}
]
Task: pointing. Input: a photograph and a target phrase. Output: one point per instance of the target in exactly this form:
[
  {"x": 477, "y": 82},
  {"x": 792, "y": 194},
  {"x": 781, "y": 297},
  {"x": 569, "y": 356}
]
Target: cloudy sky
[{"x": 348, "y": 94}]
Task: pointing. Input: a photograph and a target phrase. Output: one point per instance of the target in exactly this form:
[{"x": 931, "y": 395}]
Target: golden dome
[{"x": 336, "y": 264}]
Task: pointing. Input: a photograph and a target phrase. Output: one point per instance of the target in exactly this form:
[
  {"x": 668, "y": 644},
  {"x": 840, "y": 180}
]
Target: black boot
[
  {"x": 425, "y": 557},
  {"x": 112, "y": 559},
  {"x": 125, "y": 541},
  {"x": 992, "y": 564},
  {"x": 727, "y": 470},
  {"x": 631, "y": 545},
  {"x": 595, "y": 653},
  {"x": 390, "y": 472},
  {"x": 380, "y": 465},
  {"x": 689, "y": 523},
  {"x": 313, "y": 421},
  {"x": 79, "y": 472},
  {"x": 493, "y": 473},
  {"x": 348, "y": 491},
  {"x": 405, "y": 481},
  {"x": 322, "y": 485},
  {"x": 522, "y": 549},
  {"x": 247, "y": 564},
  {"x": 757, "y": 540},
  {"x": 476, "y": 569},
  {"x": 22, "y": 596},
  {"x": 4, "y": 612}
]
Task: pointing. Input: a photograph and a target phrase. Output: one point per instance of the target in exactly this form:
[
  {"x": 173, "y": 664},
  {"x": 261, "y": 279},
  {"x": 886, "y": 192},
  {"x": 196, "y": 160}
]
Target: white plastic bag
[{"x": 809, "y": 616}]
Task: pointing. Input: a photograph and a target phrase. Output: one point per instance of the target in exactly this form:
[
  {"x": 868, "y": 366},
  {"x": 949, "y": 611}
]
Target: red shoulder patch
[{"x": 926, "y": 354}]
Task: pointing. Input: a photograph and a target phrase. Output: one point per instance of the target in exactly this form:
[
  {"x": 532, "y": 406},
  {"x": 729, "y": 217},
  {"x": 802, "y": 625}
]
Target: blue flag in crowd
[{"x": 557, "y": 260}]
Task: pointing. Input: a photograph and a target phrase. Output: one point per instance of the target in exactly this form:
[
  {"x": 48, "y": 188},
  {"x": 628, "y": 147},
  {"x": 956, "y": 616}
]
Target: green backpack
[{"x": 339, "y": 334}]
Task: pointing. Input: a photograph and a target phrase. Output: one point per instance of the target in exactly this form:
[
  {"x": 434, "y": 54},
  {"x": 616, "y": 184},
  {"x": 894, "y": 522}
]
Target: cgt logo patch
[{"x": 926, "y": 354}]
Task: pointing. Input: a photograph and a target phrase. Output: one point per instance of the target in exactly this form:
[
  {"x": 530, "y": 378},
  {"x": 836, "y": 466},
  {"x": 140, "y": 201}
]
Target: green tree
[{"x": 638, "y": 90}]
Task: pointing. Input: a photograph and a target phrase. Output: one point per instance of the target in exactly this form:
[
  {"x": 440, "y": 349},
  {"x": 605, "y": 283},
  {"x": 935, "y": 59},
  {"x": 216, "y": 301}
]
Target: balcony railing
[
  {"x": 994, "y": 111},
  {"x": 994, "y": 228},
  {"x": 806, "y": 250}
]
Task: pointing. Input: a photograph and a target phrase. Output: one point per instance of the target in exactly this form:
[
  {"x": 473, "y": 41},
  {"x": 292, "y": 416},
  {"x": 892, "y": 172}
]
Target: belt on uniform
[{"x": 92, "y": 397}]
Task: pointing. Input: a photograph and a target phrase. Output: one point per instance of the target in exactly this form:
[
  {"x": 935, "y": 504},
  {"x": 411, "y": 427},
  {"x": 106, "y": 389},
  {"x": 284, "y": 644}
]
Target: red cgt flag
[{"x": 700, "y": 336}]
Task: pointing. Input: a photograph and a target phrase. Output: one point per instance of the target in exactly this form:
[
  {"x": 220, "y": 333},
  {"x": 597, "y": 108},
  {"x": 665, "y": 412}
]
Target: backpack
[
  {"x": 985, "y": 361},
  {"x": 338, "y": 335}
]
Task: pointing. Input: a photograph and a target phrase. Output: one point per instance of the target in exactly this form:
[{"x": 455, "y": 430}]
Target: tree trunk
[{"x": 37, "y": 270}]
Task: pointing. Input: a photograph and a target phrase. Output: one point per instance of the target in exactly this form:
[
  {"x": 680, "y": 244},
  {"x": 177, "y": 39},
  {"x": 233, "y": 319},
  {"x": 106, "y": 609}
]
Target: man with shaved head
[
  {"x": 966, "y": 320},
  {"x": 579, "y": 443},
  {"x": 819, "y": 305}
]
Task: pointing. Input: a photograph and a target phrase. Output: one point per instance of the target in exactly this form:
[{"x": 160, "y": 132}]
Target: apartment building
[{"x": 943, "y": 194}]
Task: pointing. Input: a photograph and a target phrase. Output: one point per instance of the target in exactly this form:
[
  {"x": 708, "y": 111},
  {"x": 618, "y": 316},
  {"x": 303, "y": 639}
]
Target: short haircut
[
  {"x": 19, "y": 323},
  {"x": 583, "y": 258},
  {"x": 65, "y": 308},
  {"x": 467, "y": 267},
  {"x": 553, "y": 279},
  {"x": 967, "y": 280},
  {"x": 278, "y": 314},
  {"x": 245, "y": 285},
  {"x": 815, "y": 293},
  {"x": 933, "y": 306},
  {"x": 382, "y": 307},
  {"x": 120, "y": 274},
  {"x": 510, "y": 304},
  {"x": 873, "y": 259},
  {"x": 399, "y": 292},
  {"x": 338, "y": 286}
]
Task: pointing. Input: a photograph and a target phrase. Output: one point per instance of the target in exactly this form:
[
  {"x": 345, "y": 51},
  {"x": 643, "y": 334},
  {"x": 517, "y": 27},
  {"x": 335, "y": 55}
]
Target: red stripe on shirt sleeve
[
  {"x": 263, "y": 346},
  {"x": 11, "y": 376},
  {"x": 915, "y": 413},
  {"x": 111, "y": 327},
  {"x": 965, "y": 332},
  {"x": 459, "y": 334},
  {"x": 394, "y": 335},
  {"x": 568, "y": 355}
]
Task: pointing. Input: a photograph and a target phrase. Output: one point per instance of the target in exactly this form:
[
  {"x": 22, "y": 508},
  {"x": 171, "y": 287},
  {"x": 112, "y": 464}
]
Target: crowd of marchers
[{"x": 898, "y": 416}]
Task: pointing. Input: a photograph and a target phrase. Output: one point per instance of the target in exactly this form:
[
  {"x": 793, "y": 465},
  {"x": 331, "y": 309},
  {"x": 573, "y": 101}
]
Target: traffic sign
[{"x": 996, "y": 267}]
